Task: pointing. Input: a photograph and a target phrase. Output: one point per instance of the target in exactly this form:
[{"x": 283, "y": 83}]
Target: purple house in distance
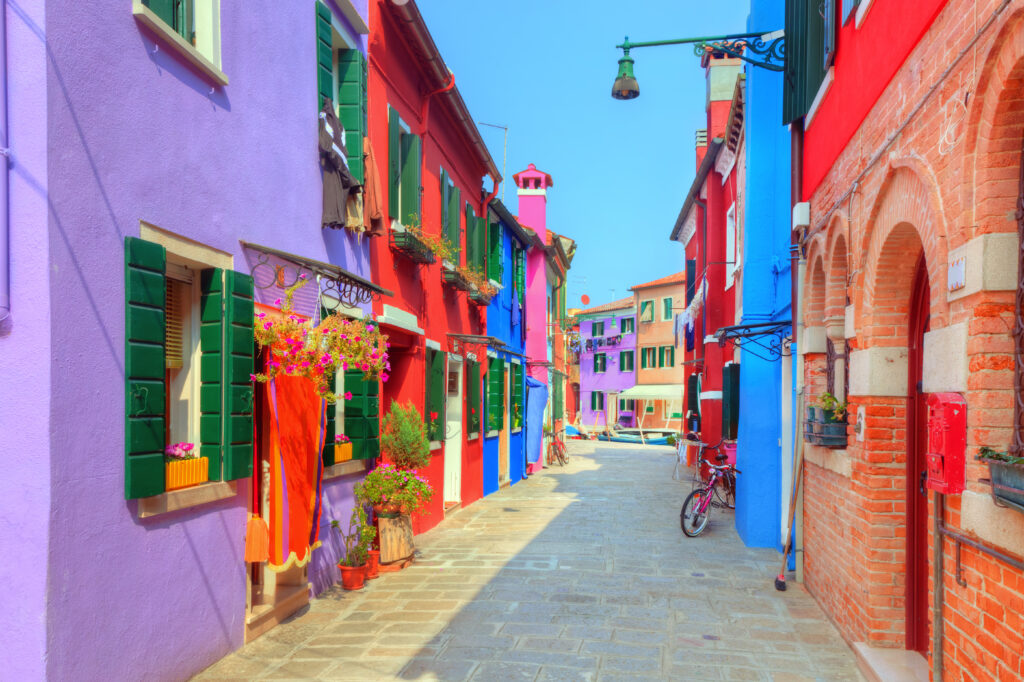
[{"x": 607, "y": 363}]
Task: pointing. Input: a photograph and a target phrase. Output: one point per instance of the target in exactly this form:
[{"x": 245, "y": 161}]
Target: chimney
[
  {"x": 701, "y": 144},
  {"x": 721, "y": 71},
  {"x": 532, "y": 190}
]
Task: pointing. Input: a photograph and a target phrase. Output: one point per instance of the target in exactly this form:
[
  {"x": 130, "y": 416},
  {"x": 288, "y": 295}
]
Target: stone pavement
[{"x": 578, "y": 573}]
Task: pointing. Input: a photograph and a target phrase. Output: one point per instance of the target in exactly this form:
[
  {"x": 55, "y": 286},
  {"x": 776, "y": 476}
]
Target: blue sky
[{"x": 621, "y": 169}]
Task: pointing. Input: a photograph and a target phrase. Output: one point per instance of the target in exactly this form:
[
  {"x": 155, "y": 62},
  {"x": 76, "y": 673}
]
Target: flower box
[
  {"x": 1007, "y": 482},
  {"x": 185, "y": 473},
  {"x": 455, "y": 279},
  {"x": 822, "y": 428},
  {"x": 480, "y": 298},
  {"x": 412, "y": 247},
  {"x": 342, "y": 452}
]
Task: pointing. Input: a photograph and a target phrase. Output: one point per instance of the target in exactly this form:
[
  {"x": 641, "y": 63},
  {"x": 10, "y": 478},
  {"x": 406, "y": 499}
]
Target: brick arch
[
  {"x": 836, "y": 287},
  {"x": 814, "y": 296},
  {"x": 992, "y": 150},
  {"x": 905, "y": 220}
]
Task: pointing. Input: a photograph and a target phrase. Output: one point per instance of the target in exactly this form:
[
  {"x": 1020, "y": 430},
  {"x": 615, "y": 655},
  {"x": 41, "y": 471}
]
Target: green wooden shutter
[
  {"x": 435, "y": 389},
  {"x": 178, "y": 14},
  {"x": 501, "y": 394},
  {"x": 455, "y": 229},
  {"x": 480, "y": 234},
  {"x": 643, "y": 358},
  {"x": 324, "y": 60},
  {"x": 352, "y": 106},
  {"x": 145, "y": 367},
  {"x": 692, "y": 399},
  {"x": 670, "y": 356},
  {"x": 517, "y": 396},
  {"x": 394, "y": 164},
  {"x": 211, "y": 370},
  {"x": 445, "y": 191},
  {"x": 661, "y": 356},
  {"x": 471, "y": 252},
  {"x": 494, "y": 264},
  {"x": 410, "y": 180},
  {"x": 473, "y": 395},
  {"x": 331, "y": 428},
  {"x": 238, "y": 367},
  {"x": 362, "y": 415}
]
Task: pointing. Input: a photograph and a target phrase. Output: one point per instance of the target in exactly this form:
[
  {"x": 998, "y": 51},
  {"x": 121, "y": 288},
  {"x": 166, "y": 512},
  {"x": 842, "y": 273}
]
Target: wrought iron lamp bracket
[{"x": 764, "y": 50}]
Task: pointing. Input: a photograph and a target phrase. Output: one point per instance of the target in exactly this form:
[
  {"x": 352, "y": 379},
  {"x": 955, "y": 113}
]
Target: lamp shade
[{"x": 625, "y": 83}]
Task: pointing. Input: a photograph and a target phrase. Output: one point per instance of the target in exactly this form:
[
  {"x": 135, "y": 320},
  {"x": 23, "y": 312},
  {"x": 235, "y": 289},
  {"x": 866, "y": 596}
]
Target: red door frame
[{"x": 916, "y": 603}]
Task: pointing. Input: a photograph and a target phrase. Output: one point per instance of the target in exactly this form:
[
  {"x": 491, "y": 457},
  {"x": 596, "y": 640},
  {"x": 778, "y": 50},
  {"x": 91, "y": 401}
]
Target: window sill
[
  {"x": 169, "y": 36},
  {"x": 473, "y": 436},
  {"x": 435, "y": 445},
  {"x": 519, "y": 430},
  {"x": 492, "y": 434},
  {"x": 172, "y": 501},
  {"x": 353, "y": 466}
]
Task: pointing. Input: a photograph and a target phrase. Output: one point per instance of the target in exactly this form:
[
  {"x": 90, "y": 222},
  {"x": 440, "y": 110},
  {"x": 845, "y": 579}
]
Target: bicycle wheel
[
  {"x": 692, "y": 520},
  {"x": 562, "y": 452},
  {"x": 729, "y": 490}
]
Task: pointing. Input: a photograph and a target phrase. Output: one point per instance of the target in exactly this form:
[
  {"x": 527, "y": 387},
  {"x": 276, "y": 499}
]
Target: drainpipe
[
  {"x": 490, "y": 197},
  {"x": 796, "y": 307},
  {"x": 425, "y": 109},
  {"x": 5, "y": 184},
  {"x": 939, "y": 589}
]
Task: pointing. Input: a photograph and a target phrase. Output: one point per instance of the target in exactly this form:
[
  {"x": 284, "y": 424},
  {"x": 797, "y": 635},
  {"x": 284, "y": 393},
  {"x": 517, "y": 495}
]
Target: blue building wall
[
  {"x": 499, "y": 326},
  {"x": 766, "y": 293}
]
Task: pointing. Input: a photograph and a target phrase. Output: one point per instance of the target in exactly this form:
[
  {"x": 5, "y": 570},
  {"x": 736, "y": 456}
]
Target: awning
[{"x": 654, "y": 392}]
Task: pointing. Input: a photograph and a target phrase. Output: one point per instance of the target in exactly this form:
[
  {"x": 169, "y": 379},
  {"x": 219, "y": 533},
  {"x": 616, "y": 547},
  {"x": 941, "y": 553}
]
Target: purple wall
[
  {"x": 613, "y": 378},
  {"x": 25, "y": 345},
  {"x": 136, "y": 134}
]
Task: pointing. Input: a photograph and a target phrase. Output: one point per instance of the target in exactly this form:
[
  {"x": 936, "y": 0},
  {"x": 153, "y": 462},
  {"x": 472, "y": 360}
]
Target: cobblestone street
[{"x": 579, "y": 573}]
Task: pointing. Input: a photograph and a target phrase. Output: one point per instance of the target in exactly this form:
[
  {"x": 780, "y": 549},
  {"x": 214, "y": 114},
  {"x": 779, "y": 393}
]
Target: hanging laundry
[
  {"x": 338, "y": 181},
  {"x": 373, "y": 207}
]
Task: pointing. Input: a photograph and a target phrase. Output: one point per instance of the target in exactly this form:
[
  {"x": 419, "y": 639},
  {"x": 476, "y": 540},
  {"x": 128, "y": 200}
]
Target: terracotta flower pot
[
  {"x": 352, "y": 577},
  {"x": 373, "y": 564}
]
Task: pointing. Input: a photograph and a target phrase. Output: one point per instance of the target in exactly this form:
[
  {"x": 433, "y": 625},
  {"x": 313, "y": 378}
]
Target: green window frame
[
  {"x": 495, "y": 252},
  {"x": 520, "y": 273},
  {"x": 666, "y": 309},
  {"x": 435, "y": 396},
  {"x": 600, "y": 363},
  {"x": 666, "y": 356},
  {"x": 475, "y": 241},
  {"x": 225, "y": 422},
  {"x": 626, "y": 325},
  {"x": 597, "y": 329},
  {"x": 180, "y": 15},
  {"x": 473, "y": 402},
  {"x": 403, "y": 172},
  {"x": 362, "y": 415},
  {"x": 495, "y": 394},
  {"x": 557, "y": 396},
  {"x": 516, "y": 401},
  {"x": 596, "y": 401},
  {"x": 730, "y": 400},
  {"x": 647, "y": 311},
  {"x": 626, "y": 361},
  {"x": 451, "y": 225},
  {"x": 626, "y": 405}
]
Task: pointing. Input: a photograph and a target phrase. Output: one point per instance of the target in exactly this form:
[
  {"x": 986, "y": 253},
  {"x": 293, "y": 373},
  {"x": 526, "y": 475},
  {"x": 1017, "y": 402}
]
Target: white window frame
[
  {"x": 185, "y": 382},
  {"x": 206, "y": 53},
  {"x": 730, "y": 246}
]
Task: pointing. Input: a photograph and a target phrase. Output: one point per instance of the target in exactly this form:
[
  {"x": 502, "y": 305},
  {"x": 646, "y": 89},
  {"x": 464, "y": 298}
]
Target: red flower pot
[
  {"x": 373, "y": 564},
  {"x": 353, "y": 577}
]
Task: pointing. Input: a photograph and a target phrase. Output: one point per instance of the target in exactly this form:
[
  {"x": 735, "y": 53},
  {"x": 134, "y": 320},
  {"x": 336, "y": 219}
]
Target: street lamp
[{"x": 767, "y": 50}]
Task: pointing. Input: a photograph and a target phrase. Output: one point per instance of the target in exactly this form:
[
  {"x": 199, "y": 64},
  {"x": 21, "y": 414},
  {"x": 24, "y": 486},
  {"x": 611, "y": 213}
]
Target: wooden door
[
  {"x": 503, "y": 441},
  {"x": 917, "y": 440}
]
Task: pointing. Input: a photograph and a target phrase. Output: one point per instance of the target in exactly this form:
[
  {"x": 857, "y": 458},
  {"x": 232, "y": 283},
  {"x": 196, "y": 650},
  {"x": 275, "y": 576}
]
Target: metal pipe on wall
[
  {"x": 797, "y": 269},
  {"x": 5, "y": 183},
  {"x": 939, "y": 586}
]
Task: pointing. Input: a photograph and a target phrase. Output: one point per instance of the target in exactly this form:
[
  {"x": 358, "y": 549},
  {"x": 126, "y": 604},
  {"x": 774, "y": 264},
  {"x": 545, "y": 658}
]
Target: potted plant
[
  {"x": 183, "y": 467},
  {"x": 357, "y": 545},
  {"x": 831, "y": 429},
  {"x": 482, "y": 291},
  {"x": 1006, "y": 472},
  {"x": 342, "y": 448},
  {"x": 394, "y": 495},
  {"x": 403, "y": 437}
]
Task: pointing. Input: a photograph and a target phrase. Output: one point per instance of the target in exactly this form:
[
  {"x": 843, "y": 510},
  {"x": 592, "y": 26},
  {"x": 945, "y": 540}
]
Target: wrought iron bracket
[
  {"x": 340, "y": 285},
  {"x": 764, "y": 50},
  {"x": 771, "y": 337}
]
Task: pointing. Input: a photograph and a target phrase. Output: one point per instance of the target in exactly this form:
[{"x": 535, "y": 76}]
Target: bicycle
[
  {"x": 557, "y": 452},
  {"x": 724, "y": 498},
  {"x": 694, "y": 516}
]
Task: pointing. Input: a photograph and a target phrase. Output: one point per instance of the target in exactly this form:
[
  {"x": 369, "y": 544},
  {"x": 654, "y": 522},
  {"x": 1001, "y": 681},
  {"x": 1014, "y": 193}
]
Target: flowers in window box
[
  {"x": 340, "y": 439},
  {"x": 319, "y": 352},
  {"x": 180, "y": 451},
  {"x": 392, "y": 490}
]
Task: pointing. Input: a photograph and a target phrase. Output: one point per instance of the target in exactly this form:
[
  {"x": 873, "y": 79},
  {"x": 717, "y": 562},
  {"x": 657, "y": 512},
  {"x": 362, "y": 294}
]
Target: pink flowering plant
[
  {"x": 388, "y": 486},
  {"x": 319, "y": 352},
  {"x": 340, "y": 439},
  {"x": 178, "y": 451}
]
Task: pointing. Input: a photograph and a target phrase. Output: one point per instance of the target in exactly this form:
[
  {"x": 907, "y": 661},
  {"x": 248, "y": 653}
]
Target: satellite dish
[{"x": 585, "y": 299}]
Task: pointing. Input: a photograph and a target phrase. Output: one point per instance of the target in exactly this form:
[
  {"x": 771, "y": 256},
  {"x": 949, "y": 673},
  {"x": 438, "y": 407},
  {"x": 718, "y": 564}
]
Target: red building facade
[{"x": 433, "y": 159}]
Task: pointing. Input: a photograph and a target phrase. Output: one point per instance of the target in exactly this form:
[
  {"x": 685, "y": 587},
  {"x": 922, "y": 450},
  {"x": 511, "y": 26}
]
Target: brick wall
[{"x": 949, "y": 176}]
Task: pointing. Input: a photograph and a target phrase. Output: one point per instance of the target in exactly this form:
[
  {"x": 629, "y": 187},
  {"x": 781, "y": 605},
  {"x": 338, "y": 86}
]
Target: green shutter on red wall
[
  {"x": 394, "y": 164},
  {"x": 473, "y": 396},
  {"x": 434, "y": 402},
  {"x": 471, "y": 243},
  {"x": 454, "y": 235},
  {"x": 145, "y": 367},
  {"x": 324, "y": 60},
  {"x": 445, "y": 191},
  {"x": 362, "y": 415},
  {"x": 238, "y": 368},
  {"x": 211, "y": 369},
  {"x": 410, "y": 180},
  {"x": 352, "y": 106}
]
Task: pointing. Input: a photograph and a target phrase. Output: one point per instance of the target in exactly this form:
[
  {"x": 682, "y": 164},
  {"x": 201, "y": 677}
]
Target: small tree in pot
[
  {"x": 403, "y": 437},
  {"x": 357, "y": 546}
]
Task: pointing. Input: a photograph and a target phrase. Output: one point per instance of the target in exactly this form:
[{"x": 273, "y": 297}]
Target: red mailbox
[{"x": 947, "y": 442}]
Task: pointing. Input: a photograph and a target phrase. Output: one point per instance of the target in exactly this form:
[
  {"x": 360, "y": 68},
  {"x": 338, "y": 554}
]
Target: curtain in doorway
[
  {"x": 536, "y": 401},
  {"x": 297, "y": 428}
]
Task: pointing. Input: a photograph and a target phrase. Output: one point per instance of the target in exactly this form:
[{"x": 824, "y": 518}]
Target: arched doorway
[{"x": 916, "y": 603}]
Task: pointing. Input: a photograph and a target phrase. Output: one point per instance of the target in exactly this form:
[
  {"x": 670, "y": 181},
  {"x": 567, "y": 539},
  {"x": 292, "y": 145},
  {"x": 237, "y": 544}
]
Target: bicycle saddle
[{"x": 721, "y": 457}]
